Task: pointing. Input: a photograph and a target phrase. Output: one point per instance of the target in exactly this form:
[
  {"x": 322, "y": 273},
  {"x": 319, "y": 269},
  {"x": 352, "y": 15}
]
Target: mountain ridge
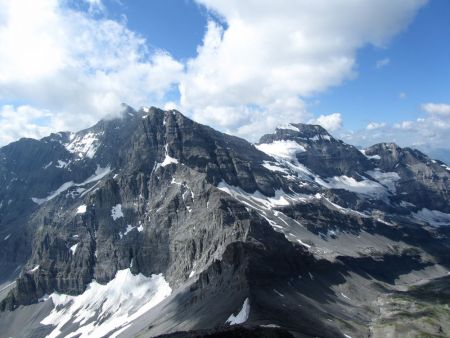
[{"x": 220, "y": 220}]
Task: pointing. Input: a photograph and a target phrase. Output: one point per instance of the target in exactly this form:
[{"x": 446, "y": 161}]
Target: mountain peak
[
  {"x": 298, "y": 132},
  {"x": 386, "y": 146},
  {"x": 313, "y": 129}
]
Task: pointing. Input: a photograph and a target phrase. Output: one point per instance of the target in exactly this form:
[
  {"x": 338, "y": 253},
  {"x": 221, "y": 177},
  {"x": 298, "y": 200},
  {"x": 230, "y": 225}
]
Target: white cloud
[
  {"x": 375, "y": 125},
  {"x": 96, "y": 6},
  {"x": 80, "y": 68},
  {"x": 252, "y": 74},
  {"x": 402, "y": 95},
  {"x": 25, "y": 121},
  {"x": 428, "y": 132},
  {"x": 271, "y": 52},
  {"x": 404, "y": 125},
  {"x": 437, "y": 108},
  {"x": 330, "y": 122},
  {"x": 171, "y": 105},
  {"x": 382, "y": 63}
]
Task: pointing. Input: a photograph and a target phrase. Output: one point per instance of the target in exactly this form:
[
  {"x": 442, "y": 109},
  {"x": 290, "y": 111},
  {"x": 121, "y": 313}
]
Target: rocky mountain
[
  {"x": 152, "y": 224},
  {"x": 439, "y": 153}
]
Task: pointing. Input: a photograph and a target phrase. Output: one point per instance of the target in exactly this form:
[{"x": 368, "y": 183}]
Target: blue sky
[
  {"x": 419, "y": 67},
  {"x": 176, "y": 26},
  {"x": 369, "y": 71},
  {"x": 415, "y": 72}
]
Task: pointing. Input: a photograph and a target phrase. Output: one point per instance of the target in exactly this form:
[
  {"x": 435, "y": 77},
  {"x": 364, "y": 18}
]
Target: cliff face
[{"x": 287, "y": 226}]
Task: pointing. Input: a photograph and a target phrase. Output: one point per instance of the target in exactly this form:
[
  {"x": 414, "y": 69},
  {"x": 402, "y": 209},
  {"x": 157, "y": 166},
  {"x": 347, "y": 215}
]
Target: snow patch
[
  {"x": 446, "y": 167},
  {"x": 116, "y": 211},
  {"x": 168, "y": 159},
  {"x": 387, "y": 179},
  {"x": 73, "y": 248},
  {"x": 130, "y": 228},
  {"x": 270, "y": 325},
  {"x": 384, "y": 222},
  {"x": 366, "y": 187},
  {"x": 285, "y": 149},
  {"x": 303, "y": 243},
  {"x": 55, "y": 193},
  {"x": 242, "y": 316},
  {"x": 44, "y": 298},
  {"x": 274, "y": 167},
  {"x": 406, "y": 204},
  {"x": 288, "y": 126},
  {"x": 319, "y": 137},
  {"x": 104, "y": 309},
  {"x": 278, "y": 293},
  {"x": 62, "y": 164},
  {"x": 345, "y": 296},
  {"x": 84, "y": 145},
  {"x": 285, "y": 154},
  {"x": 370, "y": 157},
  {"x": 81, "y": 209},
  {"x": 174, "y": 181},
  {"x": 99, "y": 174},
  {"x": 433, "y": 217},
  {"x": 34, "y": 269},
  {"x": 280, "y": 198},
  {"x": 338, "y": 207},
  {"x": 262, "y": 203}
]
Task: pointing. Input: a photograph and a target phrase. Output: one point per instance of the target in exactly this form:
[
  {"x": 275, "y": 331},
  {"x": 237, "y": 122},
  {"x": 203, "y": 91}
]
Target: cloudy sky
[{"x": 368, "y": 70}]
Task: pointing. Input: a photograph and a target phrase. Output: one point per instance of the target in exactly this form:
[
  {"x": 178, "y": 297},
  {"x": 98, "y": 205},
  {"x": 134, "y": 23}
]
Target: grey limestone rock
[{"x": 158, "y": 193}]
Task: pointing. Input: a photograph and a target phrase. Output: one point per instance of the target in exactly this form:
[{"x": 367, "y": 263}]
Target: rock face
[
  {"x": 301, "y": 228},
  {"x": 423, "y": 181},
  {"x": 325, "y": 155}
]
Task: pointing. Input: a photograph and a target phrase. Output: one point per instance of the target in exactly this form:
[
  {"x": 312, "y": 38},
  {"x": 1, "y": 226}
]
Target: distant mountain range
[
  {"x": 152, "y": 224},
  {"x": 438, "y": 153}
]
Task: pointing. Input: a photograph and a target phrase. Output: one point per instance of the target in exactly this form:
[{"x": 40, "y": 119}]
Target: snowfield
[
  {"x": 281, "y": 149},
  {"x": 105, "y": 310},
  {"x": 116, "y": 212},
  {"x": 242, "y": 316},
  {"x": 98, "y": 175},
  {"x": 84, "y": 145}
]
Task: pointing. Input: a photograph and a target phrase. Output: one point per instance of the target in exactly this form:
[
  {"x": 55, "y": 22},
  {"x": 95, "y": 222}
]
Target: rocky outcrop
[
  {"x": 423, "y": 181},
  {"x": 323, "y": 155}
]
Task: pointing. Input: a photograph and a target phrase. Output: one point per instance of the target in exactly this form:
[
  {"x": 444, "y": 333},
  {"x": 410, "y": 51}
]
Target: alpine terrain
[{"x": 154, "y": 225}]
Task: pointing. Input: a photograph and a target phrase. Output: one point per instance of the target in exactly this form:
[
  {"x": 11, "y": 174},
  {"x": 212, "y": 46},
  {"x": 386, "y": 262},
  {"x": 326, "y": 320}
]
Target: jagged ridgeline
[{"x": 152, "y": 224}]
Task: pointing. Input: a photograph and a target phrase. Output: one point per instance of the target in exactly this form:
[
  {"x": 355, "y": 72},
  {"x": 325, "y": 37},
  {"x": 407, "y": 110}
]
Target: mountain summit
[{"x": 152, "y": 224}]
